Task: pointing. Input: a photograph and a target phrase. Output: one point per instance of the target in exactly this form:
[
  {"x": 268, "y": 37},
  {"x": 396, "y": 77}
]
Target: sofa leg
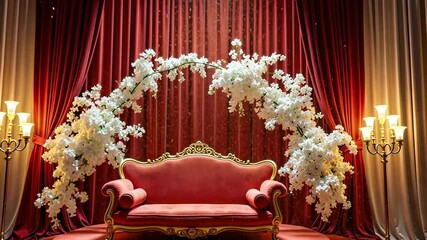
[
  {"x": 274, "y": 232},
  {"x": 110, "y": 232},
  {"x": 110, "y": 236}
]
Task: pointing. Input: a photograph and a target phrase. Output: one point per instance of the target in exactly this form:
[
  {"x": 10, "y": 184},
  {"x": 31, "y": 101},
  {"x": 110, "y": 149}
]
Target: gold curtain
[
  {"x": 396, "y": 75},
  {"x": 17, "y": 34}
]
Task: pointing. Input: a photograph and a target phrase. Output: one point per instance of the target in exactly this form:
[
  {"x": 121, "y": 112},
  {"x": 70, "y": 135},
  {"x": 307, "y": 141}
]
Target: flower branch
[{"x": 94, "y": 132}]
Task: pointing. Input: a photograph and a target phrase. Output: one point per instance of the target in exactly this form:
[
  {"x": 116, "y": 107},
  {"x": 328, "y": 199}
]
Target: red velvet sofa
[{"x": 194, "y": 193}]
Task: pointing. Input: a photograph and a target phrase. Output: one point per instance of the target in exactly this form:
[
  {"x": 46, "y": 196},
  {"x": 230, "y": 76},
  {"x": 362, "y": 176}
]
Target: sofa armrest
[
  {"x": 274, "y": 190},
  {"x": 132, "y": 198},
  {"x": 269, "y": 187},
  {"x": 114, "y": 189},
  {"x": 257, "y": 199}
]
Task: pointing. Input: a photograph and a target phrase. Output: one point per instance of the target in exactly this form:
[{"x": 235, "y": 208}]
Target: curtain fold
[
  {"x": 17, "y": 26},
  {"x": 333, "y": 44},
  {"x": 123, "y": 35},
  {"x": 396, "y": 62},
  {"x": 66, "y": 33}
]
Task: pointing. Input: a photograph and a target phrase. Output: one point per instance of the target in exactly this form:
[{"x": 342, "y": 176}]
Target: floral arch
[{"x": 94, "y": 133}]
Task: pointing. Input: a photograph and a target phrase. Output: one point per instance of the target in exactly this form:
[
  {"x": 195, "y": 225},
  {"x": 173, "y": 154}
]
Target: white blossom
[{"x": 236, "y": 43}]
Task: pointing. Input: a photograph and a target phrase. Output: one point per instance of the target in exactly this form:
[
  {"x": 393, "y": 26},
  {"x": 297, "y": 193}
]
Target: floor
[{"x": 287, "y": 232}]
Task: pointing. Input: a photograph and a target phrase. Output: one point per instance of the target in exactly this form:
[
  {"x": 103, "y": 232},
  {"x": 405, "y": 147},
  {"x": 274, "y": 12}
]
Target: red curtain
[
  {"x": 67, "y": 32},
  {"x": 123, "y": 35},
  {"x": 181, "y": 113},
  {"x": 332, "y": 33}
]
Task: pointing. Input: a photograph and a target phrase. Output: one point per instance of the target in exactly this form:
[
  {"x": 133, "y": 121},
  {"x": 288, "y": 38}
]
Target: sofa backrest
[{"x": 197, "y": 175}]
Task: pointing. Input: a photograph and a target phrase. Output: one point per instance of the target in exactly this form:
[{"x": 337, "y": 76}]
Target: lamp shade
[
  {"x": 392, "y": 120},
  {"x": 369, "y": 121},
  {"x": 23, "y": 117},
  {"x": 1, "y": 118},
  {"x": 26, "y": 129},
  {"x": 399, "y": 132},
  {"x": 366, "y": 133},
  {"x": 381, "y": 111},
  {"x": 11, "y": 106}
]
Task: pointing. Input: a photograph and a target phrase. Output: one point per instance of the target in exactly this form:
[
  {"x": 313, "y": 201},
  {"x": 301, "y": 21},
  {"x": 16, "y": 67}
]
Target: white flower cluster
[
  {"x": 94, "y": 132},
  {"x": 314, "y": 157},
  {"x": 315, "y": 160},
  {"x": 243, "y": 78}
]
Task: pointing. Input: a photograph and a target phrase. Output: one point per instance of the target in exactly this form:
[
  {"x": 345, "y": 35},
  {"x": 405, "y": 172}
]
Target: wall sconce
[
  {"x": 383, "y": 148},
  {"x": 8, "y": 145}
]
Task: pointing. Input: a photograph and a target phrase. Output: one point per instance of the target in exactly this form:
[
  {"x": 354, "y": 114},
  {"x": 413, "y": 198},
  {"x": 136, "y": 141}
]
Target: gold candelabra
[
  {"x": 8, "y": 145},
  {"x": 383, "y": 147}
]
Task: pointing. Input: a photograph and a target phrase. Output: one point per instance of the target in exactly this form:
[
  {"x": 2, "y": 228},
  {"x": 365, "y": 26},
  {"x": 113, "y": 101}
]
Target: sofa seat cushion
[{"x": 197, "y": 215}]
